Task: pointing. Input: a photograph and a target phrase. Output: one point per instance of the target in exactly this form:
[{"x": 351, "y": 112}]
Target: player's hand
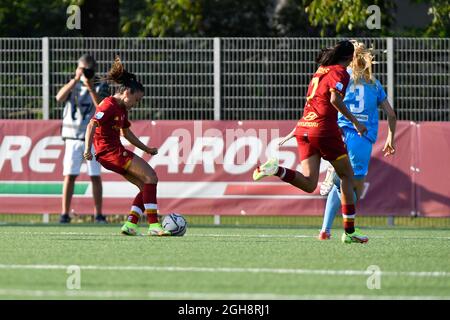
[
  {"x": 152, "y": 151},
  {"x": 87, "y": 155},
  {"x": 389, "y": 148},
  {"x": 78, "y": 73},
  {"x": 360, "y": 128}
]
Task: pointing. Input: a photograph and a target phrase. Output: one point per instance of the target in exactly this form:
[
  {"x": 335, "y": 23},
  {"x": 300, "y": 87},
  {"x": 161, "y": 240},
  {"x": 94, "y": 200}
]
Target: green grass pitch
[{"x": 222, "y": 263}]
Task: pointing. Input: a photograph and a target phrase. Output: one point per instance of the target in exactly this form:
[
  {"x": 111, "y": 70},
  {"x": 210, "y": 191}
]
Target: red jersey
[
  {"x": 319, "y": 115},
  {"x": 110, "y": 117}
]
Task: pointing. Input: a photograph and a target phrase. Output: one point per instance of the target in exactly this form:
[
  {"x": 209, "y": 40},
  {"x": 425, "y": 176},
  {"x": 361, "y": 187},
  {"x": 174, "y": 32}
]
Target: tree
[
  {"x": 291, "y": 20},
  {"x": 348, "y": 17},
  {"x": 440, "y": 24},
  {"x": 39, "y": 18},
  {"x": 161, "y": 18},
  {"x": 34, "y": 18},
  {"x": 225, "y": 18}
]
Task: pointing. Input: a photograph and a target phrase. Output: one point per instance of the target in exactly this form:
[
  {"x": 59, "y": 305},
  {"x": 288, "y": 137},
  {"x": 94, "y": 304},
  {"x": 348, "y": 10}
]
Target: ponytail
[
  {"x": 125, "y": 79},
  {"x": 362, "y": 63},
  {"x": 326, "y": 57},
  {"x": 342, "y": 51}
]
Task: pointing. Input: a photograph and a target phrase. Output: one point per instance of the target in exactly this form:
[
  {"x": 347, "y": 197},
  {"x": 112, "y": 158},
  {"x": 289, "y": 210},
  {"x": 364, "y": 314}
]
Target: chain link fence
[
  {"x": 422, "y": 79},
  {"x": 21, "y": 78},
  {"x": 177, "y": 73},
  {"x": 268, "y": 78},
  {"x": 222, "y": 79}
]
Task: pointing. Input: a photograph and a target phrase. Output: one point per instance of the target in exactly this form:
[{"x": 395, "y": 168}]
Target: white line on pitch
[
  {"x": 201, "y": 295},
  {"x": 218, "y": 235},
  {"x": 190, "y": 235},
  {"x": 232, "y": 270}
]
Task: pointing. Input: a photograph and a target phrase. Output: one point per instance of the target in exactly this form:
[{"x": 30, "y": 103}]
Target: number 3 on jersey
[
  {"x": 358, "y": 91},
  {"x": 314, "y": 84}
]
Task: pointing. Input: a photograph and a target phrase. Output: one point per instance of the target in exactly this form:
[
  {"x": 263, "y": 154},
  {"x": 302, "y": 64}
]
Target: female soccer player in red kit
[
  {"x": 104, "y": 130},
  {"x": 318, "y": 134}
]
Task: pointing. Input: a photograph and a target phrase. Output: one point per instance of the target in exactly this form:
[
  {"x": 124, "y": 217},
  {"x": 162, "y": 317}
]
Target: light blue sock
[{"x": 331, "y": 208}]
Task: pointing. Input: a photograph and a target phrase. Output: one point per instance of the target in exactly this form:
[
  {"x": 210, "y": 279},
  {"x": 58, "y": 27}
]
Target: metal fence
[
  {"x": 422, "y": 78},
  {"x": 20, "y": 78},
  {"x": 267, "y": 78},
  {"x": 219, "y": 78}
]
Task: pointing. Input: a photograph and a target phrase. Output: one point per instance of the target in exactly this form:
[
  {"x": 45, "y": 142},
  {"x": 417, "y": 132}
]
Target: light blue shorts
[{"x": 359, "y": 151}]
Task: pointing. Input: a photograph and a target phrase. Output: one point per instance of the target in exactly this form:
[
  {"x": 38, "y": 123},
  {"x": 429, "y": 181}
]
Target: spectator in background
[{"x": 81, "y": 96}]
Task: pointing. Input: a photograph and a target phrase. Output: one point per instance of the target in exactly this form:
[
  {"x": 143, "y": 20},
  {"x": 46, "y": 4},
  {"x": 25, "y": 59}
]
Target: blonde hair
[{"x": 362, "y": 63}]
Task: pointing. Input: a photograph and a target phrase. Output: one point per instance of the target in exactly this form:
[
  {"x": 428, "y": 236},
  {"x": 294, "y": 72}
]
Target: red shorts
[
  {"x": 117, "y": 159},
  {"x": 330, "y": 148}
]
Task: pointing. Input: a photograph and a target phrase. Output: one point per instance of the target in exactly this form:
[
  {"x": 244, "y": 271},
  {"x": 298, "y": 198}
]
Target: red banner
[{"x": 205, "y": 167}]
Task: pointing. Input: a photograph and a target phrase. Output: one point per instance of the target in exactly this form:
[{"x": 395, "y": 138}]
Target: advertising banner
[{"x": 205, "y": 168}]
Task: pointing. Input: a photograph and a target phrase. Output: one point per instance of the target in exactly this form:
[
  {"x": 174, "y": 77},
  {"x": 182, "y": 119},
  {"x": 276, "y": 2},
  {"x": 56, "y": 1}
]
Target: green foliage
[
  {"x": 440, "y": 25},
  {"x": 291, "y": 20},
  {"x": 256, "y": 18},
  {"x": 160, "y": 18},
  {"x": 342, "y": 17},
  {"x": 34, "y": 18}
]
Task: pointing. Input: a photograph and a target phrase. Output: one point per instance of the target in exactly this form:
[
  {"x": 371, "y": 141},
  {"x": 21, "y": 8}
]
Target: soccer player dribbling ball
[
  {"x": 318, "y": 134},
  {"x": 363, "y": 97},
  {"x": 109, "y": 122}
]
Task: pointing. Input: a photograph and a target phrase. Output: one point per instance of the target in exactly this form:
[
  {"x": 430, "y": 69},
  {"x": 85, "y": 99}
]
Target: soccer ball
[{"x": 175, "y": 223}]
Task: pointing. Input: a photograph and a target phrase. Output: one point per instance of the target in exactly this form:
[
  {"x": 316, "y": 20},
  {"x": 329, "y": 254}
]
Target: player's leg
[
  {"x": 345, "y": 173},
  {"x": 328, "y": 182},
  {"x": 331, "y": 208},
  {"x": 359, "y": 152},
  {"x": 137, "y": 210},
  {"x": 94, "y": 171},
  {"x": 333, "y": 150},
  {"x": 119, "y": 161},
  {"x": 332, "y": 184},
  {"x": 143, "y": 171},
  {"x": 307, "y": 180}
]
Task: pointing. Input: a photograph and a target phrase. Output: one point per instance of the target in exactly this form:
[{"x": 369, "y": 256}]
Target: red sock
[
  {"x": 285, "y": 174},
  {"x": 348, "y": 214},
  {"x": 137, "y": 209},
  {"x": 150, "y": 204}
]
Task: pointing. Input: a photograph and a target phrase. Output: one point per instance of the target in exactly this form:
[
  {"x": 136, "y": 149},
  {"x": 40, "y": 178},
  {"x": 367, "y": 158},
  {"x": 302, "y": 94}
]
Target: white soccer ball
[{"x": 175, "y": 223}]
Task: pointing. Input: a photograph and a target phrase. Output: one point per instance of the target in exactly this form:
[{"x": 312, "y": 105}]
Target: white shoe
[
  {"x": 328, "y": 183},
  {"x": 267, "y": 169}
]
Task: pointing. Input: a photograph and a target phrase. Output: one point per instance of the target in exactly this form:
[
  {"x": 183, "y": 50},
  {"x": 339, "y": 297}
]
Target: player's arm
[
  {"x": 337, "y": 102},
  {"x": 389, "y": 147},
  {"x": 89, "y": 136},
  {"x": 130, "y": 136},
  {"x": 64, "y": 92},
  {"x": 287, "y": 138}
]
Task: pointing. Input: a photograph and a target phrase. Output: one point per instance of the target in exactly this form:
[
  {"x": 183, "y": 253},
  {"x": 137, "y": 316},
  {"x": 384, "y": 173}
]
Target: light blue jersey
[{"x": 362, "y": 100}]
